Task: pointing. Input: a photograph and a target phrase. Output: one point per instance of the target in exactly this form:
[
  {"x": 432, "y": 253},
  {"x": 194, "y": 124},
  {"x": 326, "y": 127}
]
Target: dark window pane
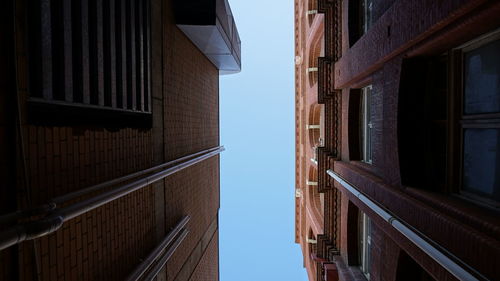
[
  {"x": 482, "y": 162},
  {"x": 368, "y": 15},
  {"x": 482, "y": 79}
]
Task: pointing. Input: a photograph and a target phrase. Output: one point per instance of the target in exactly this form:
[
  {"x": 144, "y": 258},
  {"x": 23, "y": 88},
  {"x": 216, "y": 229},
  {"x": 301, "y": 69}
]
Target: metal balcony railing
[{"x": 210, "y": 25}]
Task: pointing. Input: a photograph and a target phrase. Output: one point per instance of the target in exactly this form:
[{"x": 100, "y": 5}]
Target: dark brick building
[
  {"x": 407, "y": 168},
  {"x": 109, "y": 138}
]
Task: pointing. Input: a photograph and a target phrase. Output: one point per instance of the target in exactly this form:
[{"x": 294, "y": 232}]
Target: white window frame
[
  {"x": 367, "y": 14},
  {"x": 365, "y": 244},
  {"x": 366, "y": 125}
]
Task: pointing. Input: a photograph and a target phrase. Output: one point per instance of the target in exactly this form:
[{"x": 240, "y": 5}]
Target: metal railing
[
  {"x": 54, "y": 219},
  {"x": 412, "y": 235}
]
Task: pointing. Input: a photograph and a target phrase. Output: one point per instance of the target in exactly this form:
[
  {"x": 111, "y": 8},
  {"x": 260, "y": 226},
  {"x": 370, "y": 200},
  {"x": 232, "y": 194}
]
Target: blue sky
[{"x": 257, "y": 168}]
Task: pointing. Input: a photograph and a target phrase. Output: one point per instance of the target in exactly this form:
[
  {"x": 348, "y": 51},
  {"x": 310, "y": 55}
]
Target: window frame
[
  {"x": 360, "y": 19},
  {"x": 364, "y": 243},
  {"x": 459, "y": 121},
  {"x": 366, "y": 125}
]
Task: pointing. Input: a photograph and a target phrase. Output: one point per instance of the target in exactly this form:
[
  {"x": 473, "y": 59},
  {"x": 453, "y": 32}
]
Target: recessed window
[
  {"x": 316, "y": 126},
  {"x": 364, "y": 237},
  {"x": 360, "y": 18},
  {"x": 479, "y": 118},
  {"x": 449, "y": 108},
  {"x": 360, "y": 125},
  {"x": 409, "y": 270},
  {"x": 423, "y": 122},
  {"x": 366, "y": 125},
  {"x": 367, "y": 14}
]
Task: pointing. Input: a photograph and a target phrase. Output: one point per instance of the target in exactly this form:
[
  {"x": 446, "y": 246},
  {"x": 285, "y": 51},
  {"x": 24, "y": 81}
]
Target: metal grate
[{"x": 91, "y": 53}]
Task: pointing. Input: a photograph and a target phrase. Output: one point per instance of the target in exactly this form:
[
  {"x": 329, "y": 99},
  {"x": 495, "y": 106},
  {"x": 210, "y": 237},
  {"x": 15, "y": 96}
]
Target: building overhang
[{"x": 210, "y": 25}]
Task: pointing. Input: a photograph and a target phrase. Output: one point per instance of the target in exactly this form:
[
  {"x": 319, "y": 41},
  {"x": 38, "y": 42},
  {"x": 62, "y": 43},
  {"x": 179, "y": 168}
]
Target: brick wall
[
  {"x": 205, "y": 270},
  {"x": 376, "y": 59},
  {"x": 401, "y": 29},
  {"x": 198, "y": 196},
  {"x": 108, "y": 242}
]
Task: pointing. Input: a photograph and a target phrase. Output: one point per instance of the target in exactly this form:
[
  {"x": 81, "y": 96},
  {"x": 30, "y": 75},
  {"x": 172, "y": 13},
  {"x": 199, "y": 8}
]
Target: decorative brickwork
[{"x": 398, "y": 30}]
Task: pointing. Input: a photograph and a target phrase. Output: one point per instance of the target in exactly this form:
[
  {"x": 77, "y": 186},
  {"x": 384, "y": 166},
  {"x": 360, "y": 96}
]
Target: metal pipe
[
  {"x": 43, "y": 209},
  {"x": 54, "y": 221},
  {"x": 87, "y": 205},
  {"x": 155, "y": 254},
  {"x": 76, "y": 194},
  {"x": 416, "y": 238},
  {"x": 168, "y": 254},
  {"x": 38, "y": 211}
]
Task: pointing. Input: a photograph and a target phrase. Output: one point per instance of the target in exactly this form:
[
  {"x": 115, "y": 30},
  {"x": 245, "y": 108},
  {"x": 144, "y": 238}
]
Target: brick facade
[
  {"x": 400, "y": 31},
  {"x": 108, "y": 242}
]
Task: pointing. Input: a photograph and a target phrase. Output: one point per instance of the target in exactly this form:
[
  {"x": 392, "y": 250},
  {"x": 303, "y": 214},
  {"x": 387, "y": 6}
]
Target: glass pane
[
  {"x": 482, "y": 162},
  {"x": 368, "y": 14},
  {"x": 366, "y": 125},
  {"x": 482, "y": 79}
]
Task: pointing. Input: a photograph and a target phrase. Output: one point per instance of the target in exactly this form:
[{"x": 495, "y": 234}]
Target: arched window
[
  {"x": 317, "y": 50},
  {"x": 311, "y": 244},
  {"x": 316, "y": 125},
  {"x": 316, "y": 199}
]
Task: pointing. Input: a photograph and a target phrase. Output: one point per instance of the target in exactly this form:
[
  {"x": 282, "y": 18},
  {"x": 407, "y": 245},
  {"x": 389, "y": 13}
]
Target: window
[
  {"x": 364, "y": 237},
  {"x": 316, "y": 126},
  {"x": 409, "y": 270},
  {"x": 449, "y": 108},
  {"x": 366, "y": 15},
  {"x": 89, "y": 61},
  {"x": 360, "y": 18},
  {"x": 476, "y": 67},
  {"x": 360, "y": 125},
  {"x": 366, "y": 125},
  {"x": 423, "y": 122}
]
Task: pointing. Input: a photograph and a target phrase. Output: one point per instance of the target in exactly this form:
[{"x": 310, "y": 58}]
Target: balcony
[{"x": 210, "y": 25}]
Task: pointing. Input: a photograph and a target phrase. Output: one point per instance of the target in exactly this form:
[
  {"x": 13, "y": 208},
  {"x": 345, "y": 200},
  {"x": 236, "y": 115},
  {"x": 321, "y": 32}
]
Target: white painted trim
[
  {"x": 314, "y": 161},
  {"x": 313, "y": 183},
  {"x": 312, "y": 241},
  {"x": 310, "y": 127},
  {"x": 298, "y": 193}
]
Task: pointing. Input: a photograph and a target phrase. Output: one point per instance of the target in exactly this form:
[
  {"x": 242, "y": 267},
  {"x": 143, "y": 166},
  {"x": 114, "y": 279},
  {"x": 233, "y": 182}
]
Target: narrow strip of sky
[{"x": 257, "y": 170}]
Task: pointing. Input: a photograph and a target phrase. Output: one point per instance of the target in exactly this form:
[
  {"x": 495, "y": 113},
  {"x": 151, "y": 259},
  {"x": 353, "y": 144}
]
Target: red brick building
[
  {"x": 398, "y": 139},
  {"x": 109, "y": 132}
]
